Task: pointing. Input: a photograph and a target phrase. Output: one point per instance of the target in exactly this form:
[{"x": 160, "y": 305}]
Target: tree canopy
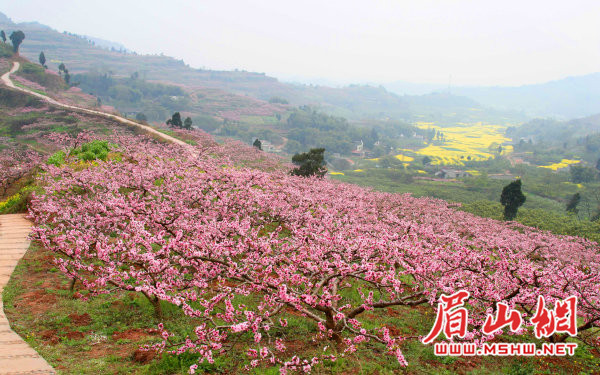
[
  {"x": 573, "y": 202},
  {"x": 512, "y": 198},
  {"x": 17, "y": 37},
  {"x": 42, "y": 59},
  {"x": 187, "y": 123},
  {"x": 175, "y": 120},
  {"x": 310, "y": 163}
]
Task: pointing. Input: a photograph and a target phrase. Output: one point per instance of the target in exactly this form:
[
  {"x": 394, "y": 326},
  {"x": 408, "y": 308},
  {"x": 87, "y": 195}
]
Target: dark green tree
[
  {"x": 3, "y": 36},
  {"x": 187, "y": 123},
  {"x": 598, "y": 165},
  {"x": 258, "y": 144},
  {"x": 310, "y": 163},
  {"x": 573, "y": 202},
  {"x": 379, "y": 151},
  {"x": 427, "y": 160},
  {"x": 512, "y": 198},
  {"x": 17, "y": 37},
  {"x": 581, "y": 174},
  {"x": 175, "y": 120},
  {"x": 141, "y": 117},
  {"x": 67, "y": 77},
  {"x": 42, "y": 59},
  {"x": 62, "y": 68}
]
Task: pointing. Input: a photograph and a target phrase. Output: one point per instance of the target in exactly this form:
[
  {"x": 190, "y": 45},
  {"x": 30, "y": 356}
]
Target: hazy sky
[{"x": 491, "y": 42}]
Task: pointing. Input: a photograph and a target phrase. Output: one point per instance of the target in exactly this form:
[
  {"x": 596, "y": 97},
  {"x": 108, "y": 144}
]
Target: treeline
[
  {"x": 309, "y": 128},
  {"x": 577, "y": 136},
  {"x": 133, "y": 94}
]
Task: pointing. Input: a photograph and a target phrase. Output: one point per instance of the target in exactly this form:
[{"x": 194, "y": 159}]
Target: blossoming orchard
[{"x": 242, "y": 250}]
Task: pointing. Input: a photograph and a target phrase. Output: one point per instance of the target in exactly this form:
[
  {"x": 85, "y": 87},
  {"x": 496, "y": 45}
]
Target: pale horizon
[{"x": 476, "y": 43}]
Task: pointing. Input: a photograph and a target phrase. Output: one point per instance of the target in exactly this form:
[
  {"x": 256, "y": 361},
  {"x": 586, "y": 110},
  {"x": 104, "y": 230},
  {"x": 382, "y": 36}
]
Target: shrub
[
  {"x": 56, "y": 159},
  {"x": 94, "y": 150}
]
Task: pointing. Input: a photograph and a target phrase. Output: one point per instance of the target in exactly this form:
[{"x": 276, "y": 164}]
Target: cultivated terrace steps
[{"x": 16, "y": 356}]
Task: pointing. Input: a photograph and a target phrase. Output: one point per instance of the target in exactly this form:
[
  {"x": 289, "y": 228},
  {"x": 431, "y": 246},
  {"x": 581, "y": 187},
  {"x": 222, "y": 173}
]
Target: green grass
[
  {"x": 6, "y": 50},
  {"x": 30, "y": 88}
]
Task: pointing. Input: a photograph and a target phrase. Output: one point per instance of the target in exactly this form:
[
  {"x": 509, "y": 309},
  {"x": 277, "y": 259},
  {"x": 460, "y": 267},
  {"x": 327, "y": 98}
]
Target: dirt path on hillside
[
  {"x": 7, "y": 81},
  {"x": 16, "y": 356}
]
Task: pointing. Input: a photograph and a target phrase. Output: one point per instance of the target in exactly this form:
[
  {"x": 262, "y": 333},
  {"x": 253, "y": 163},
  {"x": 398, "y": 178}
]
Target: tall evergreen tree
[
  {"x": 42, "y": 59},
  {"x": 3, "y": 36},
  {"x": 573, "y": 202},
  {"x": 512, "y": 198},
  {"x": 310, "y": 163},
  {"x": 187, "y": 123},
  {"x": 258, "y": 144}
]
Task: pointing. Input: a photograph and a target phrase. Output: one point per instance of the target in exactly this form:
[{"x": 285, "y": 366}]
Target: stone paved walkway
[{"x": 16, "y": 357}]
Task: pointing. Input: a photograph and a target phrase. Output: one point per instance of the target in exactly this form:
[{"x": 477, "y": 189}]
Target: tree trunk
[{"x": 156, "y": 304}]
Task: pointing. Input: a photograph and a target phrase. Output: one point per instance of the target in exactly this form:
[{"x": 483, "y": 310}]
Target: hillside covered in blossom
[
  {"x": 245, "y": 254},
  {"x": 164, "y": 250}
]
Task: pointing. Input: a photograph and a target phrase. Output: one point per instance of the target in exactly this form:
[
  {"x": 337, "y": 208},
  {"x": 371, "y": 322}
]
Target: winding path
[
  {"x": 7, "y": 81},
  {"x": 16, "y": 356}
]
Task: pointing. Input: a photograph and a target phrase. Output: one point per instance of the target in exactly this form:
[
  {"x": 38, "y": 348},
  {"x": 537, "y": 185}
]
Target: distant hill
[
  {"x": 354, "y": 101},
  {"x": 555, "y": 131},
  {"x": 566, "y": 98}
]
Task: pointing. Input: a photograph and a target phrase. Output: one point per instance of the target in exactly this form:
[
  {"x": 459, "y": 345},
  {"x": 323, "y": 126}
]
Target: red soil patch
[
  {"x": 103, "y": 350},
  {"x": 80, "y": 320},
  {"x": 74, "y": 335},
  {"x": 37, "y": 302},
  {"x": 50, "y": 336},
  {"x": 134, "y": 334}
]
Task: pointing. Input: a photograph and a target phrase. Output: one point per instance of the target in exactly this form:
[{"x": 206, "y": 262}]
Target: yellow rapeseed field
[
  {"x": 404, "y": 158},
  {"x": 464, "y": 142},
  {"x": 562, "y": 164}
]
